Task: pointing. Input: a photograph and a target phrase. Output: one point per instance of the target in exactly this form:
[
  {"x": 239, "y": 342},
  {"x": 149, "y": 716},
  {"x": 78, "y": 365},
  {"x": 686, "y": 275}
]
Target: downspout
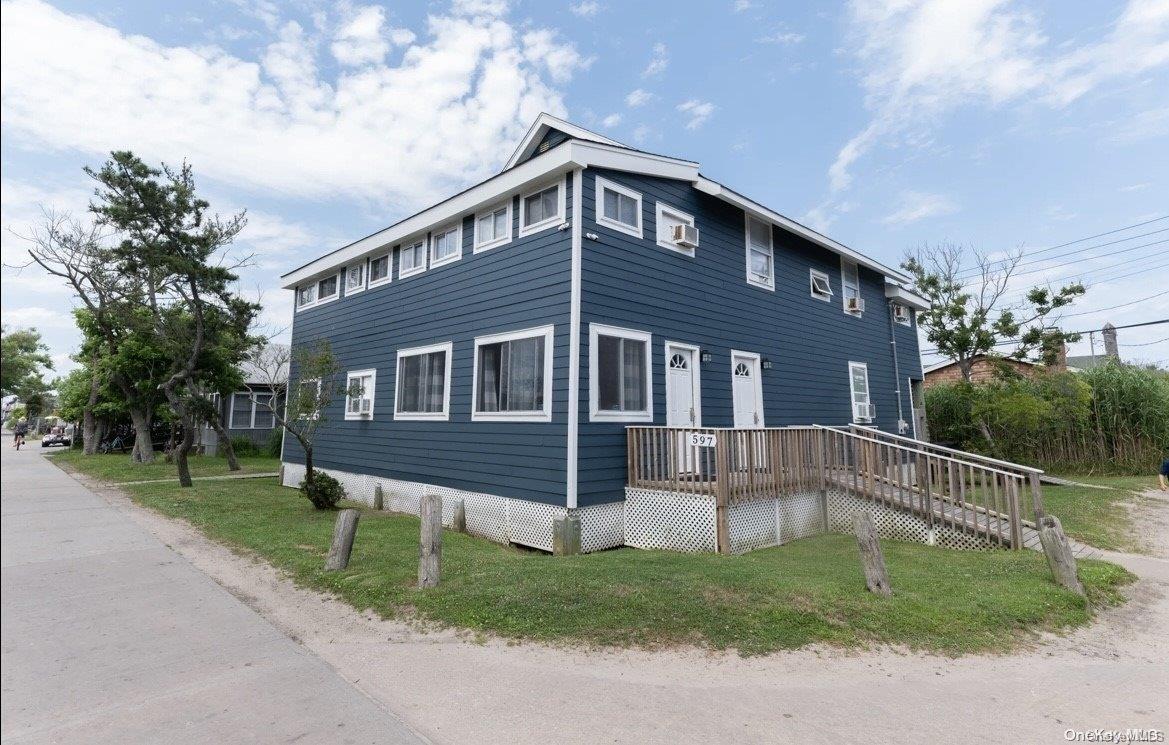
[
  {"x": 896, "y": 368},
  {"x": 574, "y": 341}
]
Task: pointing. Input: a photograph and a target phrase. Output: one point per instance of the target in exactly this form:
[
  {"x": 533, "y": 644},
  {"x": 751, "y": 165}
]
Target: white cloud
[
  {"x": 638, "y": 97},
  {"x": 37, "y": 317},
  {"x": 916, "y": 205},
  {"x": 921, "y": 59},
  {"x": 742, "y": 5},
  {"x": 698, "y": 111},
  {"x": 785, "y": 38},
  {"x": 612, "y": 120},
  {"x": 585, "y": 8},
  {"x": 1137, "y": 187},
  {"x": 276, "y": 123},
  {"x": 361, "y": 40},
  {"x": 642, "y": 133},
  {"x": 658, "y": 63}
]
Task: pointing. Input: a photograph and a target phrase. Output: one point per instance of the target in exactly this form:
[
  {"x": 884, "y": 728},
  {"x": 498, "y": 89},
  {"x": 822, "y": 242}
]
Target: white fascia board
[
  {"x": 716, "y": 189},
  {"x": 596, "y": 155},
  {"x": 937, "y": 366},
  {"x": 906, "y": 297},
  {"x": 540, "y": 127}
]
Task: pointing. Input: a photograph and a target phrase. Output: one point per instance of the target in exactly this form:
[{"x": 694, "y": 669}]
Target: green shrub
[
  {"x": 275, "y": 441},
  {"x": 324, "y": 492},
  {"x": 243, "y": 447}
]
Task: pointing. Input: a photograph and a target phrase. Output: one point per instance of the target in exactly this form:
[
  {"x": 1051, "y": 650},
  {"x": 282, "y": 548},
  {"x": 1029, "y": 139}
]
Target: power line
[
  {"x": 1083, "y": 258},
  {"x": 1145, "y": 344},
  {"x": 1101, "y": 280},
  {"x": 976, "y": 272},
  {"x": 1114, "y": 307},
  {"x": 1006, "y": 342}
]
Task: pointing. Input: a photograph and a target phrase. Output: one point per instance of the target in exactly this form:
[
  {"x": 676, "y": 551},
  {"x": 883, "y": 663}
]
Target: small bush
[
  {"x": 324, "y": 492},
  {"x": 243, "y": 447},
  {"x": 275, "y": 440}
]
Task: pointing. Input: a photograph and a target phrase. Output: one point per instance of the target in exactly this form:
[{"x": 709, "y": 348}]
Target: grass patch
[
  {"x": 1098, "y": 517},
  {"x": 781, "y": 598},
  {"x": 118, "y": 468}
]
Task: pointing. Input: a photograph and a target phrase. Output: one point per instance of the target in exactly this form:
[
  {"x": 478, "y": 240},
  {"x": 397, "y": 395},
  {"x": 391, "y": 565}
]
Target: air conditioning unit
[
  {"x": 686, "y": 236},
  {"x": 360, "y": 406},
  {"x": 864, "y": 412},
  {"x": 854, "y": 305},
  {"x": 901, "y": 313}
]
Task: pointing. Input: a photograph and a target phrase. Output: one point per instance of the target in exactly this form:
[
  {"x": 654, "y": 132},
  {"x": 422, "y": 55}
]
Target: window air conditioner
[
  {"x": 854, "y": 305},
  {"x": 686, "y": 236},
  {"x": 901, "y": 313}
]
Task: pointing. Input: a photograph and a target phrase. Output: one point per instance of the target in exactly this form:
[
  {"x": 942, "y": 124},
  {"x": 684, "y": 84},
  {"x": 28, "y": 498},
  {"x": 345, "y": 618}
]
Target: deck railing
[{"x": 738, "y": 465}]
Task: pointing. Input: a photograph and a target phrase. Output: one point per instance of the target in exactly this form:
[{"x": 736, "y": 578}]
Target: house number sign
[{"x": 700, "y": 440}]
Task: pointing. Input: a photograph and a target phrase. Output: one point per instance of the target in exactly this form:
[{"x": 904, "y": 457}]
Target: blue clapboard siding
[
  {"x": 519, "y": 285},
  {"x": 706, "y": 301}
]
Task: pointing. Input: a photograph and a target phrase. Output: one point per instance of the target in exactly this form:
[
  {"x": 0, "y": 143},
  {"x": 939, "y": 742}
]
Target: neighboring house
[
  {"x": 244, "y": 412},
  {"x": 982, "y": 369},
  {"x": 502, "y": 341}
]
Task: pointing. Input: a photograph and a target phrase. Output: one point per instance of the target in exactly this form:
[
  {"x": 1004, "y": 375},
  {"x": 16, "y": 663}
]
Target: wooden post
[
  {"x": 343, "y": 532},
  {"x": 566, "y": 535},
  {"x": 1036, "y": 496},
  {"x": 723, "y": 497},
  {"x": 1059, "y": 555},
  {"x": 872, "y": 560},
  {"x": 430, "y": 540},
  {"x": 459, "y": 518},
  {"x": 379, "y": 498}
]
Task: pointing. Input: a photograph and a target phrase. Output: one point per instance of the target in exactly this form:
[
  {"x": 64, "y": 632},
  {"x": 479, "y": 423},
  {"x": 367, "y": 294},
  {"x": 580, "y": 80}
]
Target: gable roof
[
  {"x": 540, "y": 128},
  {"x": 977, "y": 358}
]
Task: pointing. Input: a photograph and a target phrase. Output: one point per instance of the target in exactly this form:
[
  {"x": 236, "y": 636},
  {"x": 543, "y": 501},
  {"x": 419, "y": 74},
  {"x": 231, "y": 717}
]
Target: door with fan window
[{"x": 683, "y": 405}]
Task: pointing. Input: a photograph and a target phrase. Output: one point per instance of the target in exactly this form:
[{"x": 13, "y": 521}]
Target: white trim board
[{"x": 573, "y": 427}]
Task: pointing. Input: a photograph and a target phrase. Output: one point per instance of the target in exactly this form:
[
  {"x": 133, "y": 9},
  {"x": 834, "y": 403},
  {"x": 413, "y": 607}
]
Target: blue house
[{"x": 503, "y": 343}]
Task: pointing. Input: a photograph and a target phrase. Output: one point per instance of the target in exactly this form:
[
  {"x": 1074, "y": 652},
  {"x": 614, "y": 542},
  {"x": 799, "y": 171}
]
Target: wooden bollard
[
  {"x": 459, "y": 518},
  {"x": 378, "y": 497},
  {"x": 343, "y": 532},
  {"x": 1058, "y": 551},
  {"x": 872, "y": 560},
  {"x": 430, "y": 540}
]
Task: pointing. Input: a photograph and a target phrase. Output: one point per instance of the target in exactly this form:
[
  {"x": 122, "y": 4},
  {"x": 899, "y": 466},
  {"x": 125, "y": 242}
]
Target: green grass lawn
[
  {"x": 1098, "y": 517},
  {"x": 781, "y": 598},
  {"x": 118, "y": 468}
]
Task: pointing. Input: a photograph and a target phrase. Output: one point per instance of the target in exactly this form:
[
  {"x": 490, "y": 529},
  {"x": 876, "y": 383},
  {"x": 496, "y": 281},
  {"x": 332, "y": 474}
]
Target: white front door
[
  {"x": 747, "y": 390},
  {"x": 681, "y": 387}
]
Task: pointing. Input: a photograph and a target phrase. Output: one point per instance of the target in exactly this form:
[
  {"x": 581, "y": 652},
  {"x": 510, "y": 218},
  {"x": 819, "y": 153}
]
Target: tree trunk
[
  {"x": 308, "y": 464},
  {"x": 183, "y": 448},
  {"x": 89, "y": 419},
  {"x": 224, "y": 443},
  {"x": 143, "y": 451}
]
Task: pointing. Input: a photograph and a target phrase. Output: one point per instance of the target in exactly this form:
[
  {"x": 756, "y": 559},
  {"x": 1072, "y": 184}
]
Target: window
[
  {"x": 355, "y": 278},
  {"x": 618, "y": 207},
  {"x": 379, "y": 270},
  {"x": 493, "y": 228},
  {"x": 667, "y": 219},
  {"x": 306, "y": 296},
  {"x": 851, "y": 287},
  {"x": 250, "y": 411},
  {"x": 423, "y": 385},
  {"x": 541, "y": 209},
  {"x": 902, "y": 314},
  {"x": 446, "y": 246},
  {"x": 620, "y": 382},
  {"x": 413, "y": 258},
  {"x": 327, "y": 289},
  {"x": 513, "y": 376},
  {"x": 359, "y": 390},
  {"x": 321, "y": 291},
  {"x": 821, "y": 286},
  {"x": 858, "y": 383},
  {"x": 760, "y": 261}
]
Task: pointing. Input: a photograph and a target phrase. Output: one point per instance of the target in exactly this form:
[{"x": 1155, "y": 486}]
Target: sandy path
[{"x": 1113, "y": 674}]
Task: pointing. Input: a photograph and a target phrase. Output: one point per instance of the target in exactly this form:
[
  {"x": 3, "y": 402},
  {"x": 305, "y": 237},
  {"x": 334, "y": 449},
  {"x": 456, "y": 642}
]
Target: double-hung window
[
  {"x": 851, "y": 287},
  {"x": 620, "y": 381},
  {"x": 251, "y": 411},
  {"x": 821, "y": 286},
  {"x": 863, "y": 411},
  {"x": 423, "y": 386},
  {"x": 618, "y": 207},
  {"x": 446, "y": 246},
  {"x": 359, "y": 393},
  {"x": 412, "y": 258},
  {"x": 513, "y": 376},
  {"x": 542, "y": 209},
  {"x": 493, "y": 228},
  {"x": 760, "y": 257},
  {"x": 379, "y": 270},
  {"x": 354, "y": 278}
]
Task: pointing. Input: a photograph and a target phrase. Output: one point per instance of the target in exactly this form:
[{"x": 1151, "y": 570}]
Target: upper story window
[
  {"x": 821, "y": 286},
  {"x": 493, "y": 228},
  {"x": 513, "y": 376},
  {"x": 446, "y": 245},
  {"x": 863, "y": 410},
  {"x": 668, "y": 220},
  {"x": 321, "y": 291},
  {"x": 359, "y": 389},
  {"x": 760, "y": 257},
  {"x": 412, "y": 258},
  {"x": 618, "y": 207},
  {"x": 619, "y": 374},
  {"x": 542, "y": 209},
  {"x": 379, "y": 270},
  {"x": 902, "y": 314},
  {"x": 354, "y": 278},
  {"x": 850, "y": 284},
  {"x": 306, "y": 296},
  {"x": 423, "y": 383},
  {"x": 251, "y": 411}
]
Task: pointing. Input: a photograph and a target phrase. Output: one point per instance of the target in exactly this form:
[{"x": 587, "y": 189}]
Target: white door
[
  {"x": 747, "y": 389},
  {"x": 681, "y": 388}
]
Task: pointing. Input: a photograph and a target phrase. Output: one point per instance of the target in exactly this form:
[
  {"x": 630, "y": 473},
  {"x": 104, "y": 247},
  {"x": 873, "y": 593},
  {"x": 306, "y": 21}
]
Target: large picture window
[
  {"x": 423, "y": 383},
  {"x": 513, "y": 376},
  {"x": 620, "y": 381}
]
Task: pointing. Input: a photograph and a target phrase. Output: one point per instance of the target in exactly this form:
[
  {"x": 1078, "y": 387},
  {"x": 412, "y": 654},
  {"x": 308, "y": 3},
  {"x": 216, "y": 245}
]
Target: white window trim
[
  {"x": 599, "y": 207},
  {"x": 316, "y": 415},
  {"x": 813, "y": 275},
  {"x": 663, "y": 208},
  {"x": 349, "y": 376},
  {"x": 770, "y": 284},
  {"x": 425, "y": 241},
  {"x": 551, "y": 221},
  {"x": 430, "y": 416},
  {"x": 317, "y": 283},
  {"x": 758, "y": 376},
  {"x": 364, "y": 264},
  {"x": 844, "y": 272},
  {"x": 389, "y": 257},
  {"x": 595, "y": 414},
  {"x": 480, "y": 246},
  {"x": 458, "y": 254},
  {"x": 547, "y": 332},
  {"x": 852, "y": 393},
  {"x": 908, "y": 320},
  {"x": 696, "y": 376}
]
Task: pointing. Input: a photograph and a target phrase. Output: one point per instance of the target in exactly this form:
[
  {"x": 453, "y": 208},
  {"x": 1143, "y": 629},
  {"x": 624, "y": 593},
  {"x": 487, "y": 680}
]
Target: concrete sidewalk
[{"x": 110, "y": 636}]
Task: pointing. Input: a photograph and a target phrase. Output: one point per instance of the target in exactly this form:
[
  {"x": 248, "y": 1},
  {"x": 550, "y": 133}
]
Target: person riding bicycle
[{"x": 19, "y": 432}]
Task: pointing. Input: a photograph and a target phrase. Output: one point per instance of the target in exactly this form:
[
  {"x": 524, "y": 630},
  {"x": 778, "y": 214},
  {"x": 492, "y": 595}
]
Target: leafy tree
[{"x": 23, "y": 360}]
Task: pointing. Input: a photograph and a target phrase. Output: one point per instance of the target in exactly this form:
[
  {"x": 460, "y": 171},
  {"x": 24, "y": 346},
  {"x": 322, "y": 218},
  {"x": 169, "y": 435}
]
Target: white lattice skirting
[
  {"x": 898, "y": 524},
  {"x": 500, "y": 519}
]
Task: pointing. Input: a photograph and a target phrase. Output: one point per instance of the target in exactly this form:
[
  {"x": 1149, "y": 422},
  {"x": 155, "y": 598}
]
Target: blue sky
[{"x": 884, "y": 123}]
